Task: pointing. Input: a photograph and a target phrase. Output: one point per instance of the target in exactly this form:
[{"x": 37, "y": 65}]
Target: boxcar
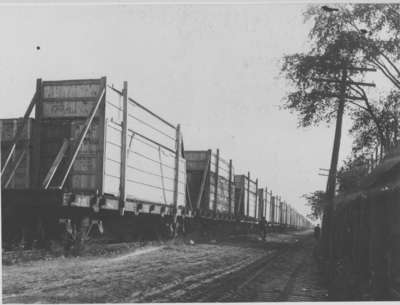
[{"x": 211, "y": 188}]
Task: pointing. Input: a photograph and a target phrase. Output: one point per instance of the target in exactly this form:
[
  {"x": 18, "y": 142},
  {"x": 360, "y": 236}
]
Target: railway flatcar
[{"x": 96, "y": 154}]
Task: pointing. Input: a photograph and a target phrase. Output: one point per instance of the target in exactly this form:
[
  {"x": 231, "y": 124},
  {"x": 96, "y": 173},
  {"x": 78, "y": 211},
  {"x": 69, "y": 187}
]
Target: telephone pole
[{"x": 327, "y": 229}]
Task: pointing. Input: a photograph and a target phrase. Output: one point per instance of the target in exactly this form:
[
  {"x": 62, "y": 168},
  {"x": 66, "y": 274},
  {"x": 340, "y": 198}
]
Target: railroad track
[
  {"x": 245, "y": 280},
  {"x": 235, "y": 285}
]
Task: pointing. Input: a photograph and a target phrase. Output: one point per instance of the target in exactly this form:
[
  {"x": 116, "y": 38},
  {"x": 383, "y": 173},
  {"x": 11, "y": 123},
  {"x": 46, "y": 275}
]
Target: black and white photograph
[{"x": 199, "y": 151}]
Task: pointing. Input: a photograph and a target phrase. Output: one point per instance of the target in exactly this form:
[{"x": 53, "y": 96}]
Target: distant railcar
[
  {"x": 211, "y": 188},
  {"x": 246, "y": 197}
]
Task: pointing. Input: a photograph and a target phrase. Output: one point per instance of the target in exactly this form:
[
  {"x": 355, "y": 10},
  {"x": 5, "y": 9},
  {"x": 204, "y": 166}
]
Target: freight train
[{"x": 92, "y": 159}]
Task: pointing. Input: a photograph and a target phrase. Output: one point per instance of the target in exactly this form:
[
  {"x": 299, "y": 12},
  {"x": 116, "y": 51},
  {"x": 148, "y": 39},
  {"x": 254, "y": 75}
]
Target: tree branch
[{"x": 387, "y": 74}]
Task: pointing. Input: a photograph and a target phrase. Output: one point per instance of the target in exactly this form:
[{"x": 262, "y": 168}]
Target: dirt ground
[{"x": 150, "y": 273}]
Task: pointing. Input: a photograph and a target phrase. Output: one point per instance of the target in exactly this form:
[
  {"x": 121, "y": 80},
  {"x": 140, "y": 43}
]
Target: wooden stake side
[
  {"x": 230, "y": 186},
  {"x": 177, "y": 154},
  {"x": 216, "y": 182}
]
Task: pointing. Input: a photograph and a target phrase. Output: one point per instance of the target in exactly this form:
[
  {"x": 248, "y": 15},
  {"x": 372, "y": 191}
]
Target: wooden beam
[
  {"x": 204, "y": 179},
  {"x": 272, "y": 209},
  {"x": 265, "y": 193},
  {"x": 102, "y": 138},
  {"x": 348, "y": 97},
  {"x": 177, "y": 155},
  {"x": 55, "y": 164},
  {"x": 36, "y": 141},
  {"x": 248, "y": 193},
  {"x": 14, "y": 169},
  {"x": 144, "y": 108},
  {"x": 124, "y": 137},
  {"x": 261, "y": 203},
  {"x": 216, "y": 182},
  {"x": 256, "y": 203},
  {"x": 230, "y": 186},
  {"x": 346, "y": 83}
]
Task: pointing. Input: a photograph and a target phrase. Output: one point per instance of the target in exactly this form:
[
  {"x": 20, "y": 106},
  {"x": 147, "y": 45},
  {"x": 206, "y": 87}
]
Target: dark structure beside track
[{"x": 366, "y": 238}]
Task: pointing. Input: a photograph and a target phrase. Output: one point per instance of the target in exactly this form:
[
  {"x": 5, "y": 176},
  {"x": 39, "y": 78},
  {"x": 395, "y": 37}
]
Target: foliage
[
  {"x": 356, "y": 35},
  {"x": 367, "y": 138},
  {"x": 350, "y": 175},
  {"x": 316, "y": 201}
]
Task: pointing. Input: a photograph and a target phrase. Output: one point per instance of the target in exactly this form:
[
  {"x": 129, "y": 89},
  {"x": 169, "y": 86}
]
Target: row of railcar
[
  {"x": 92, "y": 156},
  {"x": 214, "y": 190}
]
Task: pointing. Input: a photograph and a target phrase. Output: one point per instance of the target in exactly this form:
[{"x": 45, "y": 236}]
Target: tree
[
  {"x": 355, "y": 35},
  {"x": 351, "y": 173},
  {"x": 316, "y": 201},
  {"x": 367, "y": 139}
]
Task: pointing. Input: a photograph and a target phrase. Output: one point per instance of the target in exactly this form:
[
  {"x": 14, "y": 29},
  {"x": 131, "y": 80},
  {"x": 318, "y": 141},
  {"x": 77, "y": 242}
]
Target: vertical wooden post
[
  {"x": 273, "y": 207},
  {"x": 248, "y": 194},
  {"x": 177, "y": 154},
  {"x": 35, "y": 177},
  {"x": 257, "y": 212},
  {"x": 230, "y": 186},
  {"x": 102, "y": 136},
  {"x": 261, "y": 203},
  {"x": 124, "y": 137},
  {"x": 266, "y": 203},
  {"x": 216, "y": 177}
]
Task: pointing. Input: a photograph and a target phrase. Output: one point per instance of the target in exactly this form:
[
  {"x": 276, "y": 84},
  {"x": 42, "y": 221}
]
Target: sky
[{"x": 212, "y": 68}]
